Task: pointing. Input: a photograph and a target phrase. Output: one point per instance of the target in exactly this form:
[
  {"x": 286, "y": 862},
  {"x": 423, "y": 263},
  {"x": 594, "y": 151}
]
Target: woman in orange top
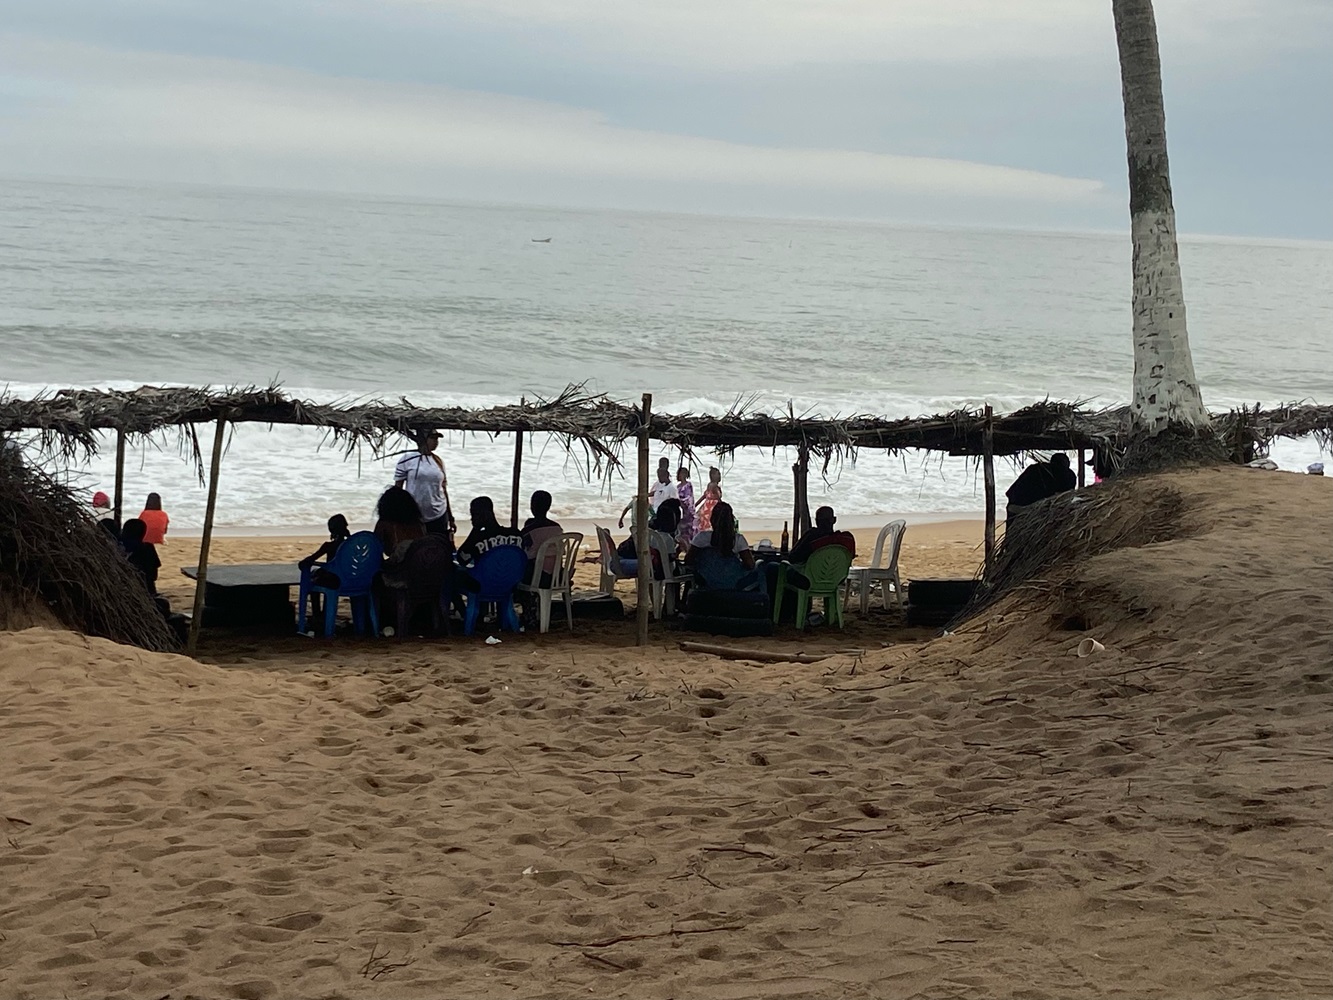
[{"x": 155, "y": 519}]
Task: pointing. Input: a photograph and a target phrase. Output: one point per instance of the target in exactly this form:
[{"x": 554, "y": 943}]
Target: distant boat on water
[{"x": 546, "y": 239}]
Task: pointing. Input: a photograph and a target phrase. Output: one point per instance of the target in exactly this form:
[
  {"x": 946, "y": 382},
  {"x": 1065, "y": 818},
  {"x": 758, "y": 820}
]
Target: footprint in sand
[
  {"x": 334, "y": 746},
  {"x": 302, "y": 921},
  {"x": 964, "y": 892},
  {"x": 274, "y": 842},
  {"x": 254, "y": 989}
]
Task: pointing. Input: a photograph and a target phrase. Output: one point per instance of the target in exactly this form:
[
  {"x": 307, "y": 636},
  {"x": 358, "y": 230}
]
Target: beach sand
[{"x": 979, "y": 815}]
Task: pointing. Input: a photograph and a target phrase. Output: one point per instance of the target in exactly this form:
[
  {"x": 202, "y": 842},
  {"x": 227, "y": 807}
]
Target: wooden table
[{"x": 248, "y": 593}]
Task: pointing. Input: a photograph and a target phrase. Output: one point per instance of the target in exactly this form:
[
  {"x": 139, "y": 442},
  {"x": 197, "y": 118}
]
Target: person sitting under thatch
[
  {"x": 339, "y": 532},
  {"x": 399, "y": 521},
  {"x": 143, "y": 557},
  {"x": 666, "y": 522},
  {"x": 141, "y": 554},
  {"x": 487, "y": 532},
  {"x": 721, "y": 557},
  {"x": 1039, "y": 481},
  {"x": 536, "y": 530},
  {"x": 822, "y": 534}
]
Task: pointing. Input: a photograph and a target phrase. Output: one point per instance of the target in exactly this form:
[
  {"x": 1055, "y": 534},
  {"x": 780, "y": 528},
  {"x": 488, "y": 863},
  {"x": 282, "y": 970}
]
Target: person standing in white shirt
[
  {"x": 421, "y": 473},
  {"x": 662, "y": 490}
]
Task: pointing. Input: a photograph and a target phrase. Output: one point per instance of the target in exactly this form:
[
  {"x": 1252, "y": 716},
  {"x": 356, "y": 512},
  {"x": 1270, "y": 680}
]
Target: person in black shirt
[
  {"x": 823, "y": 533},
  {"x": 536, "y": 530},
  {"x": 1039, "y": 481},
  {"x": 141, "y": 554},
  {"x": 486, "y": 532},
  {"x": 824, "y": 528}
]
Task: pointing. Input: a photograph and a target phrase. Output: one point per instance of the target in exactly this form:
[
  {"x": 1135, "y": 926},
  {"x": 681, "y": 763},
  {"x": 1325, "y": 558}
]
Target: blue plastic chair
[
  {"x": 497, "y": 572},
  {"x": 355, "y": 565}
]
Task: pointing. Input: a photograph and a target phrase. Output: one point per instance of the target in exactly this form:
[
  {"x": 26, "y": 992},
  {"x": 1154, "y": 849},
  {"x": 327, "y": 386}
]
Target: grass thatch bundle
[
  {"x": 52, "y": 555},
  {"x": 1042, "y": 547}
]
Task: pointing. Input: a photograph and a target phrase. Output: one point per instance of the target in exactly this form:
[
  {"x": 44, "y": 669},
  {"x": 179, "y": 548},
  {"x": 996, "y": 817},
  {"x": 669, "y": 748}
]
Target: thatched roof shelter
[{"x": 68, "y": 421}]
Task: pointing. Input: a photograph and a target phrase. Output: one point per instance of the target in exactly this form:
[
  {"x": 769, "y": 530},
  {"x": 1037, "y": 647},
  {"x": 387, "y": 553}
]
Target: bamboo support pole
[
  {"x": 795, "y": 503},
  {"x": 988, "y": 469},
  {"x": 201, "y": 580},
  {"x": 644, "y": 582},
  {"x": 518, "y": 473},
  {"x": 118, "y": 511},
  {"x": 1082, "y": 466},
  {"x": 805, "y": 489}
]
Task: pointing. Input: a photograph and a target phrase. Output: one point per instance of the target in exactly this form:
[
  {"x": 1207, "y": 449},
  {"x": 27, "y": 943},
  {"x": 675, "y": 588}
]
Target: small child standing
[{"x": 155, "y": 520}]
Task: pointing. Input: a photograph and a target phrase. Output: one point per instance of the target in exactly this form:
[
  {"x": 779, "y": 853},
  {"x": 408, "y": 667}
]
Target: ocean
[{"x": 342, "y": 297}]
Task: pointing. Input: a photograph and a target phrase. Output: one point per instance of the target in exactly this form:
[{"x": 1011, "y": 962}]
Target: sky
[{"x": 958, "y": 112}]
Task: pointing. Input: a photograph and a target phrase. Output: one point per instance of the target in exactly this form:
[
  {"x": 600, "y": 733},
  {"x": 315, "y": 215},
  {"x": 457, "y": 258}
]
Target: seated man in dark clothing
[
  {"x": 141, "y": 554},
  {"x": 486, "y": 532},
  {"x": 822, "y": 534},
  {"x": 1039, "y": 481},
  {"x": 536, "y": 530}
]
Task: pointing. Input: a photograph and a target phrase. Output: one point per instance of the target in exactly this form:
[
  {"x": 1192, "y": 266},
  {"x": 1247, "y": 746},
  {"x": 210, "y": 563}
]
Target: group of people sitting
[
  {"x": 720, "y": 558},
  {"x": 400, "y": 525}
]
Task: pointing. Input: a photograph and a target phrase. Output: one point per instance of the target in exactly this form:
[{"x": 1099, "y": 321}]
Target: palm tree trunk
[{"x": 1166, "y": 391}]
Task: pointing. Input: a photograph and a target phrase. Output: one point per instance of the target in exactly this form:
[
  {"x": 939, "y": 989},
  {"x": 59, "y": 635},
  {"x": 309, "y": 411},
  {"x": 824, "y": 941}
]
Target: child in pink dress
[{"x": 712, "y": 496}]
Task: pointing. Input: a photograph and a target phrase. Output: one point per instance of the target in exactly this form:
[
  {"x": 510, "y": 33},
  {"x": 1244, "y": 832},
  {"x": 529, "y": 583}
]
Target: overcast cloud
[{"x": 956, "y": 111}]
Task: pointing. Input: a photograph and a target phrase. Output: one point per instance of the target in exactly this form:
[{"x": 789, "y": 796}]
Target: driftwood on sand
[{"x": 762, "y": 655}]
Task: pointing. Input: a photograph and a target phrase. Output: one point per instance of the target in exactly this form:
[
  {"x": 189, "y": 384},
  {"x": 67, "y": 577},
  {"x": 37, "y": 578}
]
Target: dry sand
[{"x": 982, "y": 815}]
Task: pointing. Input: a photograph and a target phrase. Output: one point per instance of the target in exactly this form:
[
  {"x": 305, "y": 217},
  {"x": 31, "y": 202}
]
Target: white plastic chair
[
  {"x": 865, "y": 578},
  {"x": 611, "y": 569},
  {"x": 566, "y": 547},
  {"x": 664, "y": 591}
]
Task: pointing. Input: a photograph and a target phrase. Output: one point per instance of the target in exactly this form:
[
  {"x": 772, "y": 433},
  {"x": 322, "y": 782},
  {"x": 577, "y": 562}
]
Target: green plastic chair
[{"x": 826, "y": 570}]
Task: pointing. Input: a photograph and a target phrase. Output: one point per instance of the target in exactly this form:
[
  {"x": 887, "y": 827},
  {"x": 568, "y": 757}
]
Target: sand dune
[{"x": 981, "y": 815}]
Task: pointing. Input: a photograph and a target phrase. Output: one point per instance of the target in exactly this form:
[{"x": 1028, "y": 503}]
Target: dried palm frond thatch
[
  {"x": 68, "y": 422},
  {"x": 1044, "y": 544}
]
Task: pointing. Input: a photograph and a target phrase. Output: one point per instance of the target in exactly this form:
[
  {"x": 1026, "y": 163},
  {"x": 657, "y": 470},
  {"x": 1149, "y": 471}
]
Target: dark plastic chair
[
  {"x": 355, "y": 565},
  {"x": 422, "y": 577},
  {"x": 497, "y": 573}
]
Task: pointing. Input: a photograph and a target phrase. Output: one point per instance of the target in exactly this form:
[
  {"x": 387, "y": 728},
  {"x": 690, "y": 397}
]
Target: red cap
[{"x": 100, "y": 499}]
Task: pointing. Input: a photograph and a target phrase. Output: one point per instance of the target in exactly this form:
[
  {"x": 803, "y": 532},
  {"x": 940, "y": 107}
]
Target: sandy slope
[{"x": 985, "y": 815}]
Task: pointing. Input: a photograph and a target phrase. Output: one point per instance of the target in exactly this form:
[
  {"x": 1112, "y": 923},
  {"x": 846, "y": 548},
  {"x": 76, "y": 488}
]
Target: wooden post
[
  {"x": 805, "y": 489},
  {"x": 1082, "y": 464},
  {"x": 202, "y": 579},
  {"x": 518, "y": 472},
  {"x": 641, "y": 530},
  {"x": 988, "y": 469},
  {"x": 118, "y": 507},
  {"x": 796, "y": 503}
]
